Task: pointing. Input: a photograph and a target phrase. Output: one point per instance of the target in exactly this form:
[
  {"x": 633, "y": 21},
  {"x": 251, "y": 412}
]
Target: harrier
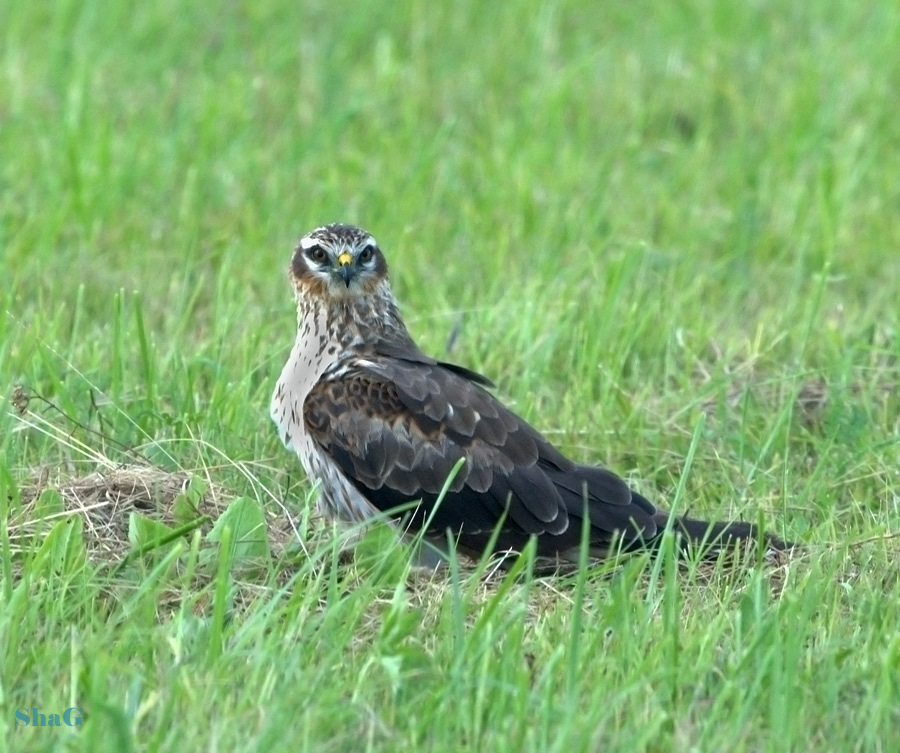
[{"x": 380, "y": 427}]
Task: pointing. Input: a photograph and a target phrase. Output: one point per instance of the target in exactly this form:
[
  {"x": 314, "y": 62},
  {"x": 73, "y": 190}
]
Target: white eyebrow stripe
[{"x": 337, "y": 242}]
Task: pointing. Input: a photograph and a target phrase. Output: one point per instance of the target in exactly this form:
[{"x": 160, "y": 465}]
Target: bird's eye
[
  {"x": 366, "y": 254},
  {"x": 317, "y": 254}
]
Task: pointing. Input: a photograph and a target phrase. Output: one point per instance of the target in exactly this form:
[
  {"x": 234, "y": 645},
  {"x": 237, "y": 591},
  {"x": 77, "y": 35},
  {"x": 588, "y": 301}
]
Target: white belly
[{"x": 311, "y": 356}]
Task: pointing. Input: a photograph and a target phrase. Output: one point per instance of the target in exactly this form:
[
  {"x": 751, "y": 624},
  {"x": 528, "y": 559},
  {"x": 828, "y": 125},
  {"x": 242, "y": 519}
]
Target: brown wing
[{"x": 397, "y": 427}]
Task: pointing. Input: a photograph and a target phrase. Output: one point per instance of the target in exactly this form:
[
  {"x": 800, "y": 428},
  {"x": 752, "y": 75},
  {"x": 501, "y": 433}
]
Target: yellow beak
[{"x": 347, "y": 271}]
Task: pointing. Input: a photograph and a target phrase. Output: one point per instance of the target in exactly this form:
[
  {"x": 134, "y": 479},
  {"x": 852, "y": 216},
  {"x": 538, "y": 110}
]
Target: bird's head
[{"x": 338, "y": 261}]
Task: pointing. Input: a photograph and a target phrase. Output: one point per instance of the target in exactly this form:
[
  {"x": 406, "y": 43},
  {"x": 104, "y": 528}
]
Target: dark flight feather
[{"x": 397, "y": 423}]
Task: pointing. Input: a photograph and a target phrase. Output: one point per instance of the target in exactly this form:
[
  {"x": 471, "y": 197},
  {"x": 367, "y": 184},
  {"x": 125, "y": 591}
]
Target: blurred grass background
[{"x": 640, "y": 216}]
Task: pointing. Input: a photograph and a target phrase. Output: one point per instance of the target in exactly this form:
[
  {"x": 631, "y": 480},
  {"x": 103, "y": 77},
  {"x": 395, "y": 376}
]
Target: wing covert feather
[{"x": 396, "y": 427}]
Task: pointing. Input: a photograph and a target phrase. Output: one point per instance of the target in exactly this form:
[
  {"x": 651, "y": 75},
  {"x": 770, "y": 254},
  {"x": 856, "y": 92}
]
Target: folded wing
[{"x": 396, "y": 427}]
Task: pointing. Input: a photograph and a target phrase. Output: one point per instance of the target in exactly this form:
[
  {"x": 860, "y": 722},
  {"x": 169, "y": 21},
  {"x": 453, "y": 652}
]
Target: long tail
[{"x": 711, "y": 539}]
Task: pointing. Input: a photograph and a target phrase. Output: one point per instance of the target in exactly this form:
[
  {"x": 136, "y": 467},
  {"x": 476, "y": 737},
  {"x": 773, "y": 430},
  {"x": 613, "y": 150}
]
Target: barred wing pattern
[{"x": 397, "y": 426}]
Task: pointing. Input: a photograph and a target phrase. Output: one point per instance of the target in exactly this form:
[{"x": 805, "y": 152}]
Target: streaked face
[{"x": 340, "y": 261}]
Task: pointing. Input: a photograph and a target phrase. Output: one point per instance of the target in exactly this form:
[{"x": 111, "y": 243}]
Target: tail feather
[{"x": 712, "y": 538}]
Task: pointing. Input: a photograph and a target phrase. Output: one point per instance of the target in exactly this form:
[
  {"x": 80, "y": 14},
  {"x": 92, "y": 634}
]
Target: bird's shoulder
[{"x": 391, "y": 386}]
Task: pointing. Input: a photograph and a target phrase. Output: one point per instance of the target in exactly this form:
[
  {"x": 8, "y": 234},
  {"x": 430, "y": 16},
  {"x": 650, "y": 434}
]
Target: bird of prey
[{"x": 380, "y": 426}]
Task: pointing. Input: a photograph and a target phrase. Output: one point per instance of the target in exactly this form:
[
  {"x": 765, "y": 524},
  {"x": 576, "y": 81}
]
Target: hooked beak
[{"x": 346, "y": 271}]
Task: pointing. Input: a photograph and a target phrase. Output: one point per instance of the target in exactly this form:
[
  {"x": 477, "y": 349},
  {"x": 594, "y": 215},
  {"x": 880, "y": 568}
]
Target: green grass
[{"x": 653, "y": 223}]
